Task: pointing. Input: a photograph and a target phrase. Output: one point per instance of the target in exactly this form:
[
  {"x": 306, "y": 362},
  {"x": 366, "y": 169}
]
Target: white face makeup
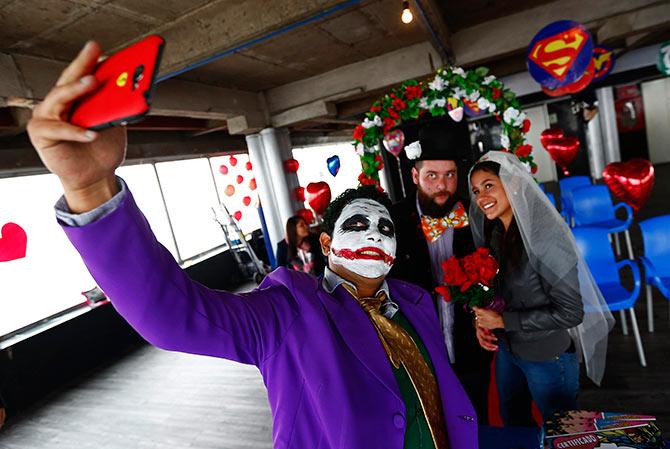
[{"x": 363, "y": 240}]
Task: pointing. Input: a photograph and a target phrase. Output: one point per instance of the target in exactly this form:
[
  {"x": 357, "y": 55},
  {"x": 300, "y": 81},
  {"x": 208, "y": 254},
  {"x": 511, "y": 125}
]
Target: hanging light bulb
[{"x": 407, "y": 15}]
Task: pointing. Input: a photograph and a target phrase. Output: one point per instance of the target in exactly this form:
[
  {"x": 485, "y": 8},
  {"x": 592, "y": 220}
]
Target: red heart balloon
[
  {"x": 237, "y": 215},
  {"x": 233, "y": 161},
  {"x": 630, "y": 181},
  {"x": 239, "y": 179},
  {"x": 306, "y": 215},
  {"x": 291, "y": 165},
  {"x": 248, "y": 166},
  {"x": 246, "y": 200},
  {"x": 13, "y": 242},
  {"x": 318, "y": 196},
  {"x": 299, "y": 193},
  {"x": 223, "y": 170},
  {"x": 252, "y": 184},
  {"x": 561, "y": 148}
]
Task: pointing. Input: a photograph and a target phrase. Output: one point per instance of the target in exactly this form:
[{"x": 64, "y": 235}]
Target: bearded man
[
  {"x": 431, "y": 226},
  {"x": 350, "y": 360}
]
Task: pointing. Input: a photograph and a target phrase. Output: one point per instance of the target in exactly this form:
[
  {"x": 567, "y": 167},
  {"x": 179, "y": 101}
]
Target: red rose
[
  {"x": 453, "y": 273},
  {"x": 526, "y": 126},
  {"x": 379, "y": 162},
  {"x": 399, "y": 105},
  {"x": 413, "y": 92},
  {"x": 496, "y": 93},
  {"x": 388, "y": 124},
  {"x": 393, "y": 113},
  {"x": 444, "y": 292},
  {"x": 375, "y": 108},
  {"x": 359, "y": 132},
  {"x": 524, "y": 150},
  {"x": 533, "y": 169}
]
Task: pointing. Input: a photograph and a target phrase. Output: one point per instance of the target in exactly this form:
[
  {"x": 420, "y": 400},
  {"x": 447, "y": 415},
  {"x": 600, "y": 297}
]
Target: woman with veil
[{"x": 554, "y": 312}]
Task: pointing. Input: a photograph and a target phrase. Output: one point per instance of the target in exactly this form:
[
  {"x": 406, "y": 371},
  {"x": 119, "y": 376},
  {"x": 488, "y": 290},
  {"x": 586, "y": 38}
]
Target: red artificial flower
[
  {"x": 392, "y": 113},
  {"x": 399, "y": 105},
  {"x": 413, "y": 92},
  {"x": 366, "y": 180},
  {"x": 496, "y": 93},
  {"x": 375, "y": 108},
  {"x": 444, "y": 292},
  {"x": 388, "y": 124},
  {"x": 533, "y": 169},
  {"x": 526, "y": 126},
  {"x": 524, "y": 150},
  {"x": 359, "y": 132},
  {"x": 379, "y": 162},
  {"x": 453, "y": 273},
  {"x": 497, "y": 116}
]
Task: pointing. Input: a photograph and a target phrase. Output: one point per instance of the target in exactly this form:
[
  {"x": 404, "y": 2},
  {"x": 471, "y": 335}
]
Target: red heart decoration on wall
[
  {"x": 291, "y": 165},
  {"x": 560, "y": 147},
  {"x": 252, "y": 184},
  {"x": 248, "y": 166},
  {"x": 230, "y": 190},
  {"x": 299, "y": 193},
  {"x": 318, "y": 196},
  {"x": 239, "y": 179},
  {"x": 13, "y": 242},
  {"x": 223, "y": 170},
  {"x": 246, "y": 200},
  {"x": 237, "y": 215},
  {"x": 306, "y": 215},
  {"x": 233, "y": 161},
  {"x": 630, "y": 181}
]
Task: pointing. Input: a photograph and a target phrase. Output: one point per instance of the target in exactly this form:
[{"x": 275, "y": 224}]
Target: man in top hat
[{"x": 431, "y": 226}]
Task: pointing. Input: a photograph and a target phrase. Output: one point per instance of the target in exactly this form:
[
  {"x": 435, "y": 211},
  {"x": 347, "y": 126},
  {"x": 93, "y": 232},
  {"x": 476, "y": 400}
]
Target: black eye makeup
[
  {"x": 386, "y": 227},
  {"x": 356, "y": 222}
]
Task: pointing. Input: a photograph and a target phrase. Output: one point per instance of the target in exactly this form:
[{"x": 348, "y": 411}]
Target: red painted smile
[{"x": 367, "y": 253}]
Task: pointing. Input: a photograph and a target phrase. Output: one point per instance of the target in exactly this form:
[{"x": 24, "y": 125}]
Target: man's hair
[{"x": 334, "y": 209}]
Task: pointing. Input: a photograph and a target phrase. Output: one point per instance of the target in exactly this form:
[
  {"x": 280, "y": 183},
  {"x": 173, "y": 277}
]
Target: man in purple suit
[{"x": 351, "y": 360}]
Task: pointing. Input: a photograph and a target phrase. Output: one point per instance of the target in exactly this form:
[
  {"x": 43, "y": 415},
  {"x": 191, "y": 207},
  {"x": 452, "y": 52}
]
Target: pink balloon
[{"x": 394, "y": 141}]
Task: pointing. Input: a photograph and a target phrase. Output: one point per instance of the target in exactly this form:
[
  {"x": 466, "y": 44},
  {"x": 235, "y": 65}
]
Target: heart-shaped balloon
[
  {"x": 560, "y": 147},
  {"x": 230, "y": 190},
  {"x": 333, "y": 164},
  {"x": 291, "y": 165},
  {"x": 13, "y": 242},
  {"x": 630, "y": 181},
  {"x": 223, "y": 170},
  {"x": 237, "y": 215},
  {"x": 394, "y": 141},
  {"x": 233, "y": 161},
  {"x": 299, "y": 193},
  {"x": 456, "y": 114},
  {"x": 306, "y": 215},
  {"x": 318, "y": 196},
  {"x": 248, "y": 166},
  {"x": 246, "y": 200},
  {"x": 239, "y": 179},
  {"x": 252, "y": 184}
]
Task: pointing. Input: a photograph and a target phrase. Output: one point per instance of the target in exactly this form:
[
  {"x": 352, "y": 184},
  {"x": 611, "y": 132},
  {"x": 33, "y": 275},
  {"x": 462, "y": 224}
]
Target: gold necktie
[{"x": 402, "y": 350}]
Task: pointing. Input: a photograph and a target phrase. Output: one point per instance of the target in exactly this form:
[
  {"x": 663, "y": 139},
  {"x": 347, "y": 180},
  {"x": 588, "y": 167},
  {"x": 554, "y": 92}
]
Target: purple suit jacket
[{"x": 330, "y": 384}]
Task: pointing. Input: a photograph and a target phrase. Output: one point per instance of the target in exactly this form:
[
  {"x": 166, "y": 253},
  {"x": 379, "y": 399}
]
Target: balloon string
[{"x": 402, "y": 183}]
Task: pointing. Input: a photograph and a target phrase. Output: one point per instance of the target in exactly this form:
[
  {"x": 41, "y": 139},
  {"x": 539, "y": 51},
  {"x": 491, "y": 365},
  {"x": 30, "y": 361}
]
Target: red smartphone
[{"x": 126, "y": 81}]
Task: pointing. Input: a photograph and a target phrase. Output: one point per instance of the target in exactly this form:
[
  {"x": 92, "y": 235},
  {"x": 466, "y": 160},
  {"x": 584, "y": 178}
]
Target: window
[{"x": 52, "y": 276}]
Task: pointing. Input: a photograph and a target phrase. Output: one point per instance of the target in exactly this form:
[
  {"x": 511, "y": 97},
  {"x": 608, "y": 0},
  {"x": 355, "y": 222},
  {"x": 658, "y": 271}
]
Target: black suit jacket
[{"x": 412, "y": 264}]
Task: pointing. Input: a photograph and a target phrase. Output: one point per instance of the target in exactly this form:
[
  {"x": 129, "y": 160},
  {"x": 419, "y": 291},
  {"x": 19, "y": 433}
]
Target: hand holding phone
[{"x": 126, "y": 80}]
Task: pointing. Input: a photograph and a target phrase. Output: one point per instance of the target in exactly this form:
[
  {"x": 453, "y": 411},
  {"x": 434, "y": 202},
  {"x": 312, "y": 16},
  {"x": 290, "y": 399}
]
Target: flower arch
[{"x": 450, "y": 92}]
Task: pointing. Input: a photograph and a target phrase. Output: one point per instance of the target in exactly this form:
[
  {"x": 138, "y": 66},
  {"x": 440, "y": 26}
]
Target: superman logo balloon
[
  {"x": 603, "y": 61},
  {"x": 560, "y": 53}
]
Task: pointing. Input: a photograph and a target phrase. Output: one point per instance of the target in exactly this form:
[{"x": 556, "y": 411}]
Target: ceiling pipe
[{"x": 440, "y": 47}]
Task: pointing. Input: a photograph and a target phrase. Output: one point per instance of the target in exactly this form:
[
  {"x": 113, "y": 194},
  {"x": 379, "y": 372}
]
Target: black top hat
[{"x": 444, "y": 140}]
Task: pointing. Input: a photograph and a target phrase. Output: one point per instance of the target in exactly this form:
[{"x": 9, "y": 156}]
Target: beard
[{"x": 430, "y": 207}]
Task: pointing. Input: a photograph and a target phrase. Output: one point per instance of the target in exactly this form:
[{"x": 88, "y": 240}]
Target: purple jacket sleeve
[{"x": 171, "y": 311}]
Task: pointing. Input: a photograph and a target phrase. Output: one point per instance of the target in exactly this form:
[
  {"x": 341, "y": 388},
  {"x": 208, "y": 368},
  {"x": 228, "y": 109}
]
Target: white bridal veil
[{"x": 549, "y": 243}]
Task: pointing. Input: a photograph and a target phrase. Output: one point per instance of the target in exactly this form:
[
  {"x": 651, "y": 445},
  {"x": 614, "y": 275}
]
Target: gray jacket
[{"x": 537, "y": 314}]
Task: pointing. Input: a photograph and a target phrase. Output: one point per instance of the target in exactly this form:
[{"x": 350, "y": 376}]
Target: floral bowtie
[{"x": 434, "y": 227}]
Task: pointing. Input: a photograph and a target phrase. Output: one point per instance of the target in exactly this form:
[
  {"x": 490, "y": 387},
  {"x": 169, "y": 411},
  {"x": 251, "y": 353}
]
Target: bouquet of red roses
[{"x": 469, "y": 280}]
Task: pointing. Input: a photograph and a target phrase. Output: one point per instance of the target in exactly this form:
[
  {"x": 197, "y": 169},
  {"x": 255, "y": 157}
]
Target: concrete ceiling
[{"x": 236, "y": 66}]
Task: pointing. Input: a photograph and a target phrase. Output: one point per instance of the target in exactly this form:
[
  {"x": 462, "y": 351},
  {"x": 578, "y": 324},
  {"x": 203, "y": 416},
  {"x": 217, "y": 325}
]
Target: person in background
[
  {"x": 300, "y": 249},
  {"x": 547, "y": 287},
  {"x": 432, "y": 225}
]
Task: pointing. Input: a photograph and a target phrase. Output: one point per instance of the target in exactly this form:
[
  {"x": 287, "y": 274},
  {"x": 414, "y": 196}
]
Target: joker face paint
[{"x": 363, "y": 240}]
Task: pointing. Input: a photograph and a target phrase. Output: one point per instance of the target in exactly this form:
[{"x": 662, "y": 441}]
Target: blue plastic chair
[
  {"x": 656, "y": 260},
  {"x": 592, "y": 206},
  {"x": 597, "y": 251},
  {"x": 567, "y": 185}
]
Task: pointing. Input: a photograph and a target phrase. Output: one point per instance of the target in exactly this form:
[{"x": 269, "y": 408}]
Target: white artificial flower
[
  {"x": 372, "y": 149},
  {"x": 360, "y": 149},
  {"x": 377, "y": 121},
  {"x": 474, "y": 96},
  {"x": 459, "y": 92},
  {"x": 459, "y": 71},
  {"x": 519, "y": 120},
  {"x": 413, "y": 150},
  {"x": 438, "y": 83},
  {"x": 488, "y": 80},
  {"x": 438, "y": 103},
  {"x": 504, "y": 140},
  {"x": 492, "y": 107},
  {"x": 483, "y": 104},
  {"x": 423, "y": 103},
  {"x": 510, "y": 115}
]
